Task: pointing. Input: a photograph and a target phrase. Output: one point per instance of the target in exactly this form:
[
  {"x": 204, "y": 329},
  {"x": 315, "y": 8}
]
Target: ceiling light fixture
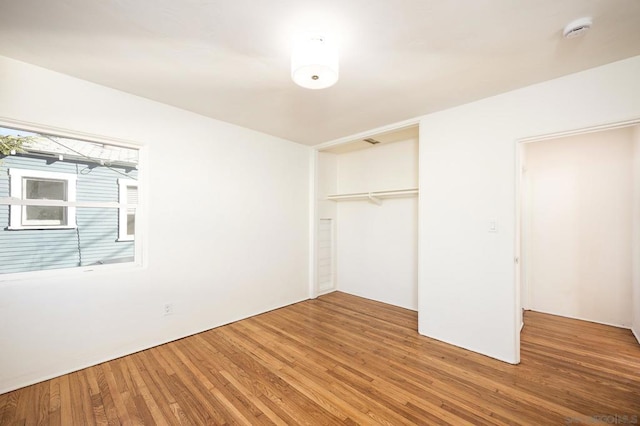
[{"x": 314, "y": 63}]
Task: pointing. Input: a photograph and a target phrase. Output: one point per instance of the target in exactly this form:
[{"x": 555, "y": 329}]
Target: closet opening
[
  {"x": 579, "y": 226},
  {"x": 367, "y": 217}
]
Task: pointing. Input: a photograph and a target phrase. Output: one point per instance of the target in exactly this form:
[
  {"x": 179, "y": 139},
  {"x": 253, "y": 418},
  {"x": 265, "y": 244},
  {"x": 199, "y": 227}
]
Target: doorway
[{"x": 579, "y": 225}]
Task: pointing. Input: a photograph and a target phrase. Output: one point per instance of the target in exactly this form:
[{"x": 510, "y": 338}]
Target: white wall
[
  {"x": 228, "y": 232},
  {"x": 467, "y": 291},
  {"x": 377, "y": 244},
  {"x": 635, "y": 290},
  {"x": 578, "y": 240}
]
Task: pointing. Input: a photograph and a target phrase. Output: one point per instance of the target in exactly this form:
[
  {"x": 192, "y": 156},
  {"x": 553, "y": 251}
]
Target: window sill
[
  {"x": 37, "y": 228},
  {"x": 10, "y": 279},
  {"x": 125, "y": 239}
]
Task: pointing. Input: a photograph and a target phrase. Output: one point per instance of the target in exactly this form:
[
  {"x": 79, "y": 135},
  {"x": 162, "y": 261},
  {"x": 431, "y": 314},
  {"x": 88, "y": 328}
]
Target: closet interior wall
[
  {"x": 375, "y": 239},
  {"x": 580, "y": 227}
]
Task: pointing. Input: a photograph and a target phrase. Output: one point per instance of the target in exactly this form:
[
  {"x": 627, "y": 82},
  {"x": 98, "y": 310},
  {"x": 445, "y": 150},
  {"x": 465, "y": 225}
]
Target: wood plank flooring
[{"x": 341, "y": 359}]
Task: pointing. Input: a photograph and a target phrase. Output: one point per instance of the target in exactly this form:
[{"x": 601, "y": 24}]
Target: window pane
[
  {"x": 45, "y": 189},
  {"x": 48, "y": 215},
  {"x": 131, "y": 224},
  {"x": 132, "y": 194}
]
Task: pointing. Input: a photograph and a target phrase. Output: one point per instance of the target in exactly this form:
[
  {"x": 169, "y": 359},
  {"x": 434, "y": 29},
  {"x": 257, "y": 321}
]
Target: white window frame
[
  {"x": 141, "y": 248},
  {"x": 123, "y": 211},
  {"x": 16, "y": 179}
]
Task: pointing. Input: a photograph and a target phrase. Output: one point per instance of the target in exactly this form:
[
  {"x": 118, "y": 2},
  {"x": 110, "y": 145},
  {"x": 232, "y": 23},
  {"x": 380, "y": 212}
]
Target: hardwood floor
[{"x": 341, "y": 359}]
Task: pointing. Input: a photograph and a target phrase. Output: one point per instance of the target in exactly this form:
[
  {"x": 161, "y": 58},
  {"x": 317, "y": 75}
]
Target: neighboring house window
[
  {"x": 33, "y": 185},
  {"x": 128, "y": 194}
]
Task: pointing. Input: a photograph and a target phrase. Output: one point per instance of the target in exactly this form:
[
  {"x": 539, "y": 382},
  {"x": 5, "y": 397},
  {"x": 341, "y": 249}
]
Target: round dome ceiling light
[
  {"x": 314, "y": 63},
  {"x": 577, "y": 28}
]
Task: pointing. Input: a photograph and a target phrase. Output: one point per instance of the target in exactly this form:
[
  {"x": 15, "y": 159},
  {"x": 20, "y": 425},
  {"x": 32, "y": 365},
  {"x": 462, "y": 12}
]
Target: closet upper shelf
[{"x": 374, "y": 196}]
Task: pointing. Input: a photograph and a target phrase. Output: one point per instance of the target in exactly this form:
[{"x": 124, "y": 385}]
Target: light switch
[{"x": 493, "y": 225}]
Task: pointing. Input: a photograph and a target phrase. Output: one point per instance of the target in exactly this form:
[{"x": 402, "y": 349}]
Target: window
[
  {"x": 66, "y": 203},
  {"x": 128, "y": 194},
  {"x": 34, "y": 185}
]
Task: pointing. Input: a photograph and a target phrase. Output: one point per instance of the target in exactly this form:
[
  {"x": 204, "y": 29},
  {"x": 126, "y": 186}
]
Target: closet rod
[{"x": 373, "y": 194}]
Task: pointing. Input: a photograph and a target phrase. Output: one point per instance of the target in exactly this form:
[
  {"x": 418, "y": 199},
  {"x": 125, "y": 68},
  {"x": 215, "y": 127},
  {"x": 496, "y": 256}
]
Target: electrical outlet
[{"x": 168, "y": 309}]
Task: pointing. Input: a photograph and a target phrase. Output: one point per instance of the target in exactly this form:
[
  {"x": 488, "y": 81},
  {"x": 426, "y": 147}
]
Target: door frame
[
  {"x": 313, "y": 197},
  {"x": 522, "y": 286}
]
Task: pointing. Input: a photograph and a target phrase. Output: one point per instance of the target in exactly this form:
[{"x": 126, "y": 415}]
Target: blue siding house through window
[{"x": 93, "y": 241}]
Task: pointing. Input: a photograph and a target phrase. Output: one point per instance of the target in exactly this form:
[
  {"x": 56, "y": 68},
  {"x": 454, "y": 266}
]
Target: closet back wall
[
  {"x": 578, "y": 226},
  {"x": 377, "y": 244}
]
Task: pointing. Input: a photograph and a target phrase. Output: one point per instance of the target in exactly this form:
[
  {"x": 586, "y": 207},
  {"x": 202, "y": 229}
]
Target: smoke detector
[{"x": 577, "y": 28}]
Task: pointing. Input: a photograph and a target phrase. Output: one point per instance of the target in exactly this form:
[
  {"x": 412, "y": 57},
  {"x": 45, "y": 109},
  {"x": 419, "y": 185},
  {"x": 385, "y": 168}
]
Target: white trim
[
  {"x": 123, "y": 213},
  {"x": 368, "y": 133},
  {"x": 140, "y": 347},
  {"x": 520, "y": 146},
  {"x": 517, "y": 252},
  {"x": 41, "y": 174},
  {"x": 635, "y": 334},
  {"x": 31, "y": 127},
  {"x": 141, "y": 249},
  {"x": 18, "y": 203},
  {"x": 332, "y": 258},
  {"x": 625, "y": 327},
  {"x": 6, "y": 280},
  {"x": 519, "y": 150},
  {"x": 330, "y": 290},
  {"x": 313, "y": 226},
  {"x": 39, "y": 227},
  {"x": 10, "y": 201},
  {"x": 313, "y": 282},
  {"x": 574, "y": 132}
]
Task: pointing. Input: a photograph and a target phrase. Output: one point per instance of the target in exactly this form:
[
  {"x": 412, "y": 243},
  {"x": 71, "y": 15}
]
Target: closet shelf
[{"x": 374, "y": 196}]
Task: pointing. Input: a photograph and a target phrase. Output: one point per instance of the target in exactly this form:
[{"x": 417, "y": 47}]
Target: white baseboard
[
  {"x": 323, "y": 292},
  {"x": 636, "y": 334},
  {"x": 17, "y": 383},
  {"x": 581, "y": 319}
]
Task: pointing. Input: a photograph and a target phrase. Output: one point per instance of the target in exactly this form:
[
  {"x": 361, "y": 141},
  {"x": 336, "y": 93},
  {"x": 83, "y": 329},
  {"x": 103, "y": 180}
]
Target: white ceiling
[{"x": 399, "y": 58}]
